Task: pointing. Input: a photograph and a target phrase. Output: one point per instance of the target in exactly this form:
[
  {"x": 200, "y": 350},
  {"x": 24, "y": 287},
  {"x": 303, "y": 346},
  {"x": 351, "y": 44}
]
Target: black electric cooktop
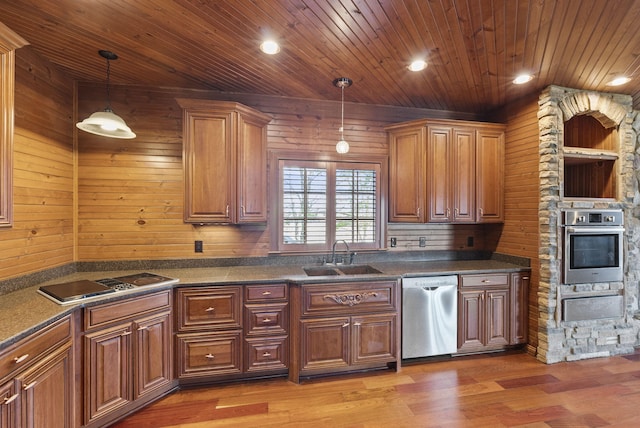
[{"x": 74, "y": 291}]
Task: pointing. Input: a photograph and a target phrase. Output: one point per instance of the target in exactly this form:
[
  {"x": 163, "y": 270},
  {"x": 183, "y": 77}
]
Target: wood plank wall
[
  {"x": 130, "y": 191},
  {"x": 42, "y": 234},
  {"x": 521, "y": 229}
]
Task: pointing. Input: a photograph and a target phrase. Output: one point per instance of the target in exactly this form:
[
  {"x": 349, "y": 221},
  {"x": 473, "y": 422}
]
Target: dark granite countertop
[{"x": 25, "y": 311}]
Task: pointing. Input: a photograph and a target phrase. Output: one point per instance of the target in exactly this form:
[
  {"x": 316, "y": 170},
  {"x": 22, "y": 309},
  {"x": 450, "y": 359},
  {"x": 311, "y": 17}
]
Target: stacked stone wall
[{"x": 560, "y": 340}]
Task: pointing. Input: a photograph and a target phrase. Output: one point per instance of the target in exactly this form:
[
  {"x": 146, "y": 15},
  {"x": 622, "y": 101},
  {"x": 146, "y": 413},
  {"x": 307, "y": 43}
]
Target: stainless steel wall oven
[{"x": 593, "y": 250}]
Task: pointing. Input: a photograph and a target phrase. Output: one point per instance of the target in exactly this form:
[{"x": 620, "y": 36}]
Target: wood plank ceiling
[{"x": 474, "y": 48}]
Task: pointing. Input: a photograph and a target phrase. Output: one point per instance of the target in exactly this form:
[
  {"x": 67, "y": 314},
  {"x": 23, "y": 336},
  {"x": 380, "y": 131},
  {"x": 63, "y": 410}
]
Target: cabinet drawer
[
  {"x": 265, "y": 292},
  {"x": 349, "y": 298},
  {"x": 264, "y": 354},
  {"x": 209, "y": 354},
  {"x": 485, "y": 280},
  {"x": 266, "y": 319},
  {"x": 107, "y": 313},
  {"x": 24, "y": 352},
  {"x": 209, "y": 308}
]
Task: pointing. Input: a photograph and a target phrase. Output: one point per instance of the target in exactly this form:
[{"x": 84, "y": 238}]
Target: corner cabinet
[
  {"x": 342, "y": 327},
  {"x": 225, "y": 162},
  {"x": 444, "y": 171},
  {"x": 128, "y": 357}
]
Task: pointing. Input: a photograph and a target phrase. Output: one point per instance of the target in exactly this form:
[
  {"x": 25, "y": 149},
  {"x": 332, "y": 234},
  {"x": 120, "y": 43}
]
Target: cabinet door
[
  {"x": 209, "y": 170},
  {"x": 464, "y": 175},
  {"x": 406, "y": 177},
  {"x": 9, "y": 405},
  {"x": 374, "y": 338},
  {"x": 47, "y": 399},
  {"x": 325, "y": 343},
  {"x": 490, "y": 173},
  {"x": 519, "y": 327},
  {"x": 153, "y": 353},
  {"x": 252, "y": 170},
  {"x": 497, "y": 318},
  {"x": 439, "y": 174},
  {"x": 471, "y": 320},
  {"x": 107, "y": 370}
]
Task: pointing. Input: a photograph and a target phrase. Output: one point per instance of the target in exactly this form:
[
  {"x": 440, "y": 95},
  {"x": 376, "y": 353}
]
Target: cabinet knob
[
  {"x": 209, "y": 356},
  {"x": 29, "y": 386},
  {"x": 20, "y": 359},
  {"x": 9, "y": 400},
  {"x": 266, "y": 320},
  {"x": 210, "y": 309}
]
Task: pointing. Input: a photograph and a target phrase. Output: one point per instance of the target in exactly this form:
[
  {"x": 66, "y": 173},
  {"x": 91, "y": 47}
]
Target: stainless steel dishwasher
[{"x": 429, "y": 316}]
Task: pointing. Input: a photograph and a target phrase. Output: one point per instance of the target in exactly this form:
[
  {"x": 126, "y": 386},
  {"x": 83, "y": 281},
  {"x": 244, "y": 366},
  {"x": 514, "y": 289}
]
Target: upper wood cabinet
[
  {"x": 9, "y": 42},
  {"x": 444, "y": 171},
  {"x": 225, "y": 162}
]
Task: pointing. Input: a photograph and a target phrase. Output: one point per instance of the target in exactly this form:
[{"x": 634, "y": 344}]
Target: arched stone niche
[{"x": 567, "y": 341}]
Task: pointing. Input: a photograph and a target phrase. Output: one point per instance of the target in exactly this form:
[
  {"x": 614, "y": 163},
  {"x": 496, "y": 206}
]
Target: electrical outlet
[
  {"x": 394, "y": 242},
  {"x": 422, "y": 242},
  {"x": 469, "y": 241},
  {"x": 198, "y": 246}
]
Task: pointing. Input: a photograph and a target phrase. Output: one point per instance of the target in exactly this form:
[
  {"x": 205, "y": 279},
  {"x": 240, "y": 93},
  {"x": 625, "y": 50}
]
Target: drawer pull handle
[
  {"x": 486, "y": 281},
  {"x": 125, "y": 333},
  {"x": 143, "y": 327},
  {"x": 345, "y": 325},
  {"x": 357, "y": 324},
  {"x": 9, "y": 400},
  {"x": 266, "y": 320},
  {"x": 210, "y": 356},
  {"x": 266, "y": 293},
  {"x": 266, "y": 354},
  {"x": 210, "y": 309},
  {"x": 350, "y": 299},
  {"x": 21, "y": 358},
  {"x": 31, "y": 385},
  {"x": 525, "y": 277}
]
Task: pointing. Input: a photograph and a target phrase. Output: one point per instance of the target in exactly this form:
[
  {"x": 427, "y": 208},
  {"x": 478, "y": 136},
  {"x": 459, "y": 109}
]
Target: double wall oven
[{"x": 593, "y": 250}]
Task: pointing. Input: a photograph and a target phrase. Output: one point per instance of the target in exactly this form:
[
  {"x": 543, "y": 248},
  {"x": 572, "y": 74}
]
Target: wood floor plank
[{"x": 493, "y": 391}]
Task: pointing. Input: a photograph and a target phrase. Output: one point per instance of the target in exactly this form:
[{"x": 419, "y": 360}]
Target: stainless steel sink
[
  {"x": 340, "y": 270},
  {"x": 357, "y": 269},
  {"x": 320, "y": 271}
]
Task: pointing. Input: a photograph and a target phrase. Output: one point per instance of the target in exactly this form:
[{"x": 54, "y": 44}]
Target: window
[{"x": 324, "y": 201}]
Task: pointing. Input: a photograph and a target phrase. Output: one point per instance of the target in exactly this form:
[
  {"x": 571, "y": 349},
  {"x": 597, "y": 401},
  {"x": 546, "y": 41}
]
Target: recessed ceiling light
[
  {"x": 417, "y": 65},
  {"x": 522, "y": 79},
  {"x": 619, "y": 81},
  {"x": 270, "y": 47}
]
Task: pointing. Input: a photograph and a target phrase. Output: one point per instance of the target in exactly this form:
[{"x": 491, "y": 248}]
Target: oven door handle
[{"x": 611, "y": 229}]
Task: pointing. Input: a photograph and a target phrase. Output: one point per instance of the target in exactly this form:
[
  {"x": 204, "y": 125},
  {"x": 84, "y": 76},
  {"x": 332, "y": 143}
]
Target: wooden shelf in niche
[{"x": 590, "y": 154}]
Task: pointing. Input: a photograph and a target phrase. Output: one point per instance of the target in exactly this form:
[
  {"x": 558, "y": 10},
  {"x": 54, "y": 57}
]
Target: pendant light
[
  {"x": 342, "y": 82},
  {"x": 106, "y": 123}
]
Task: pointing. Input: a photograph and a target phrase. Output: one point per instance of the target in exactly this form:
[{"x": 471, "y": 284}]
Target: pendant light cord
[
  {"x": 342, "y": 115},
  {"x": 109, "y": 84}
]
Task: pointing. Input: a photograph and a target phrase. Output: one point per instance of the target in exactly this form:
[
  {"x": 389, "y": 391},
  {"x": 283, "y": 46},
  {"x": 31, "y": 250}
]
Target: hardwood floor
[{"x": 497, "y": 390}]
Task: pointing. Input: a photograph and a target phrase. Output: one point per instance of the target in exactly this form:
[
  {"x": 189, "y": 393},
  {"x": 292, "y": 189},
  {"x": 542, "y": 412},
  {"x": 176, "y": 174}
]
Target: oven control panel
[{"x": 593, "y": 218}]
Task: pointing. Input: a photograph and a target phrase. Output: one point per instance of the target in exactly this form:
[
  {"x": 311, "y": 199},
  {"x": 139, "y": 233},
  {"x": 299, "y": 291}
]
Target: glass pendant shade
[
  {"x": 107, "y": 124},
  {"x": 342, "y": 147}
]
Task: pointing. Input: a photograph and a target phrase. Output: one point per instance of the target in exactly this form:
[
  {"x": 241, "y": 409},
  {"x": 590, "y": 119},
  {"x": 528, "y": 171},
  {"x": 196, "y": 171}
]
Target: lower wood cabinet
[
  {"x": 36, "y": 379},
  {"x": 232, "y": 331},
  {"x": 341, "y": 327},
  {"x": 128, "y": 355},
  {"x": 492, "y": 311}
]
